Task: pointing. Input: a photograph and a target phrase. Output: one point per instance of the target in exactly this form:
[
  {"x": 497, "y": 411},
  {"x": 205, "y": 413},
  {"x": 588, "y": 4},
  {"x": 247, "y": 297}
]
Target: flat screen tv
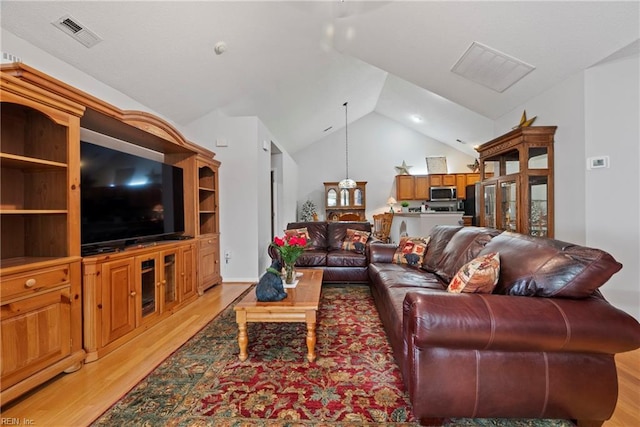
[{"x": 127, "y": 199}]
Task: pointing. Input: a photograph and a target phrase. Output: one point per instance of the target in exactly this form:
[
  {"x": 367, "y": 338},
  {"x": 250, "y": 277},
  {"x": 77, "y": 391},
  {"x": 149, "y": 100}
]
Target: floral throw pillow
[
  {"x": 411, "y": 251},
  {"x": 298, "y": 232},
  {"x": 480, "y": 275},
  {"x": 355, "y": 240}
]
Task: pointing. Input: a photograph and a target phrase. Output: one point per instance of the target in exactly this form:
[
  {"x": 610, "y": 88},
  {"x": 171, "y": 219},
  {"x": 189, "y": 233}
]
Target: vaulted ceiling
[{"x": 293, "y": 64}]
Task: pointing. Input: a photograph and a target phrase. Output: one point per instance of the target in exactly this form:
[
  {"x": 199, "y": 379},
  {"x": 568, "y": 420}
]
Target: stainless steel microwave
[{"x": 442, "y": 193}]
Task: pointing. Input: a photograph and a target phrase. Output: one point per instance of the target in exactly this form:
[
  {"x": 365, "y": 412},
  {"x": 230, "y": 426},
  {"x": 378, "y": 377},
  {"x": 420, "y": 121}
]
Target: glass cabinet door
[
  {"x": 538, "y": 205},
  {"x": 344, "y": 197},
  {"x": 357, "y": 197},
  {"x": 148, "y": 287},
  {"x": 509, "y": 205},
  {"x": 332, "y": 198},
  {"x": 169, "y": 279},
  {"x": 489, "y": 205}
]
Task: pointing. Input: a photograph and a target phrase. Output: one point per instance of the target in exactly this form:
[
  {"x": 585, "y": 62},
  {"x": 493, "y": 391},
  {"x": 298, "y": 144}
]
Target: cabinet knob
[
  {"x": 133, "y": 293},
  {"x": 209, "y": 241},
  {"x": 30, "y": 283}
]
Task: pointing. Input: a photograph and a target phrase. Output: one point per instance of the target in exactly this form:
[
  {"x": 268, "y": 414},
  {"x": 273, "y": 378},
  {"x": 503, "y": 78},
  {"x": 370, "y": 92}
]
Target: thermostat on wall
[{"x": 598, "y": 162}]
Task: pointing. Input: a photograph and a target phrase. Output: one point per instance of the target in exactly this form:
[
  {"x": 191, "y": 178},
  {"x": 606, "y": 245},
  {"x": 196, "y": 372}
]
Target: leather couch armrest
[
  {"x": 514, "y": 323},
  {"x": 382, "y": 252}
]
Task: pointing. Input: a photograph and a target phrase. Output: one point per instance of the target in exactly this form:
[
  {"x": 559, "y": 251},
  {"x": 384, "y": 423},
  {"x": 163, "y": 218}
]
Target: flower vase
[{"x": 290, "y": 273}]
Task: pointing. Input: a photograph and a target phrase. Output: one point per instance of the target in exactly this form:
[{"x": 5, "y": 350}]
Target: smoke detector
[
  {"x": 70, "y": 26},
  {"x": 220, "y": 48}
]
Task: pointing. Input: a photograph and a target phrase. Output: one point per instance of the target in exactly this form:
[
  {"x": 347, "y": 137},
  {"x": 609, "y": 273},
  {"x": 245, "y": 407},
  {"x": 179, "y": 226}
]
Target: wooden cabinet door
[
  {"x": 449, "y": 180},
  {"x": 421, "y": 187},
  {"x": 36, "y": 332},
  {"x": 118, "y": 299},
  {"x": 472, "y": 178},
  {"x": 404, "y": 187},
  {"x": 147, "y": 286},
  {"x": 436, "y": 180},
  {"x": 461, "y": 186},
  {"x": 170, "y": 279},
  {"x": 188, "y": 282},
  {"x": 209, "y": 263}
]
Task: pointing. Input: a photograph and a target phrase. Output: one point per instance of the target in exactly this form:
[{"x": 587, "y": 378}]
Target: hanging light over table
[{"x": 346, "y": 183}]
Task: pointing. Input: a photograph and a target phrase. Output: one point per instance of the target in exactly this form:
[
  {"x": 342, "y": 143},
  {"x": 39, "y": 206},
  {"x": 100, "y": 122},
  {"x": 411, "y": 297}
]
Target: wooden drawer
[
  {"x": 26, "y": 284},
  {"x": 208, "y": 243}
]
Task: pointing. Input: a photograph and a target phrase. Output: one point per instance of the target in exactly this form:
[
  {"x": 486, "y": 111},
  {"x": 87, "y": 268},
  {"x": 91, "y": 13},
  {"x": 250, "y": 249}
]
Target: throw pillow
[
  {"x": 411, "y": 251},
  {"x": 299, "y": 232},
  {"x": 355, "y": 240},
  {"x": 480, "y": 275}
]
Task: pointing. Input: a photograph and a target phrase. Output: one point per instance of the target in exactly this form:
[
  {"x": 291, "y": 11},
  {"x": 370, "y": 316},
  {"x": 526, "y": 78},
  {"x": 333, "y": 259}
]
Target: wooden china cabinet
[
  {"x": 342, "y": 201},
  {"x": 58, "y": 308},
  {"x": 516, "y": 190}
]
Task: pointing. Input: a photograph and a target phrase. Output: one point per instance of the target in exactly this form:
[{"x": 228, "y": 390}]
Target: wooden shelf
[{"x": 23, "y": 162}]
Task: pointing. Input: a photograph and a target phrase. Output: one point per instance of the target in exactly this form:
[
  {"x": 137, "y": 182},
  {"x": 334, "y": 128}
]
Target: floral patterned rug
[{"x": 353, "y": 382}]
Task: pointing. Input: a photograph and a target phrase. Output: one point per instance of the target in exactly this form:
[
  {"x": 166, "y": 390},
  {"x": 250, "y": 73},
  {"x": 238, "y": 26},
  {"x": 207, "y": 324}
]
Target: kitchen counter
[{"x": 417, "y": 224}]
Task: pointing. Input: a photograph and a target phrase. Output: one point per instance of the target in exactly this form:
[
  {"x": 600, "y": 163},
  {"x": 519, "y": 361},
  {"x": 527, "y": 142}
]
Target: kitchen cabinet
[
  {"x": 442, "y": 180},
  {"x": 416, "y": 187},
  {"x": 129, "y": 291},
  {"x": 516, "y": 171},
  {"x": 341, "y": 201},
  {"x": 412, "y": 187},
  {"x": 40, "y": 280}
]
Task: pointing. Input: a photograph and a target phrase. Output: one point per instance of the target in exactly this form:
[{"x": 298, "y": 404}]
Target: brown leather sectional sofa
[
  {"x": 542, "y": 345},
  {"x": 325, "y": 251}
]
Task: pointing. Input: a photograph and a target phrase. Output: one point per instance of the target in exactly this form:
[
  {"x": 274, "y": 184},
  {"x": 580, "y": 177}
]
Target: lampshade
[
  {"x": 391, "y": 201},
  {"x": 346, "y": 183}
]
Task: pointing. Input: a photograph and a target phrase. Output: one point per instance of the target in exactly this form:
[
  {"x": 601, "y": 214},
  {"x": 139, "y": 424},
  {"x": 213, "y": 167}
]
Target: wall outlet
[{"x": 227, "y": 256}]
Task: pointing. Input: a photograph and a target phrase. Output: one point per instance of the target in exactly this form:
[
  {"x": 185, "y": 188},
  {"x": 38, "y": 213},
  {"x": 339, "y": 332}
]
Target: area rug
[{"x": 354, "y": 381}]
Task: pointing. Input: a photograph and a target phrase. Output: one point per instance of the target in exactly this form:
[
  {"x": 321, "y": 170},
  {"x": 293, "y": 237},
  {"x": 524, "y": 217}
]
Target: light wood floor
[{"x": 77, "y": 399}]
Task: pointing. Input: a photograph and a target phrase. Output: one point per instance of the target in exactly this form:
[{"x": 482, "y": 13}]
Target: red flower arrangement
[{"x": 290, "y": 247}]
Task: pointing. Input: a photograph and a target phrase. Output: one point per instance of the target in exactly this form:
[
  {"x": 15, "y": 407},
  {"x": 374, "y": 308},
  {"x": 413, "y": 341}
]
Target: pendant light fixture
[{"x": 346, "y": 183}]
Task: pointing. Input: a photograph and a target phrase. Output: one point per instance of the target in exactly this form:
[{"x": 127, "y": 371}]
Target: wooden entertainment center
[{"x": 59, "y": 309}]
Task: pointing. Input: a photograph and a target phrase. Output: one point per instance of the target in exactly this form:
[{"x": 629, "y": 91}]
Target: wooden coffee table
[{"x": 300, "y": 305}]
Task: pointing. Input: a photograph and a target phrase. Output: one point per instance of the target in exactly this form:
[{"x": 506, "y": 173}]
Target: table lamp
[{"x": 391, "y": 201}]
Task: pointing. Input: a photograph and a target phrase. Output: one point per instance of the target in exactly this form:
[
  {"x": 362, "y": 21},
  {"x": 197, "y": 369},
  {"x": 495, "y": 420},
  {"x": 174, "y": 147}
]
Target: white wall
[
  {"x": 377, "y": 145},
  {"x": 612, "y": 109},
  {"x": 596, "y": 112},
  {"x": 42, "y": 61}
]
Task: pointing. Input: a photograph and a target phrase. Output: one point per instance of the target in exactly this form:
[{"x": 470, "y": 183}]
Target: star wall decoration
[
  {"x": 524, "y": 122},
  {"x": 404, "y": 169}
]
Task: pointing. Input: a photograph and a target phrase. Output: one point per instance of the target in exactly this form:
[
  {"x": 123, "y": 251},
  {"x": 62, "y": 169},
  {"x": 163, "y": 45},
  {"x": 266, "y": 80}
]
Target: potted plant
[
  {"x": 405, "y": 206},
  {"x": 308, "y": 211}
]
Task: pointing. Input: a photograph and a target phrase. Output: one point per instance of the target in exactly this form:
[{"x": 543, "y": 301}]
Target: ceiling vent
[
  {"x": 490, "y": 67},
  {"x": 72, "y": 27}
]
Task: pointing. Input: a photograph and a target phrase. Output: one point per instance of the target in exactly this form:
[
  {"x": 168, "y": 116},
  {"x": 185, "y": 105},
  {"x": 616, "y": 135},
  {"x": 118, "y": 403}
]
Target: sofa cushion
[
  {"x": 312, "y": 258},
  {"x": 317, "y": 233},
  {"x": 411, "y": 251},
  {"x": 355, "y": 240},
  {"x": 337, "y": 231},
  {"x": 480, "y": 275},
  {"x": 463, "y": 246},
  {"x": 341, "y": 258},
  {"x": 440, "y": 236},
  {"x": 537, "y": 266}
]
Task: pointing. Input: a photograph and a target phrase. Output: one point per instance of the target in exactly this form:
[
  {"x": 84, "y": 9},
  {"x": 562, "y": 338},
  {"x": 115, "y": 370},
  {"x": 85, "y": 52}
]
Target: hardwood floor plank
[{"x": 77, "y": 399}]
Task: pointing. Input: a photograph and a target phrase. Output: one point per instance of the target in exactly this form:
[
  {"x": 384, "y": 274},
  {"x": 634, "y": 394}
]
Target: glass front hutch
[
  {"x": 345, "y": 201},
  {"x": 516, "y": 172}
]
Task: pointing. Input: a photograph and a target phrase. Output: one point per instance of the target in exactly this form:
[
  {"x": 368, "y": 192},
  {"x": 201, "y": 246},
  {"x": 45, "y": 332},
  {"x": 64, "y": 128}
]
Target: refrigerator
[{"x": 471, "y": 201}]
